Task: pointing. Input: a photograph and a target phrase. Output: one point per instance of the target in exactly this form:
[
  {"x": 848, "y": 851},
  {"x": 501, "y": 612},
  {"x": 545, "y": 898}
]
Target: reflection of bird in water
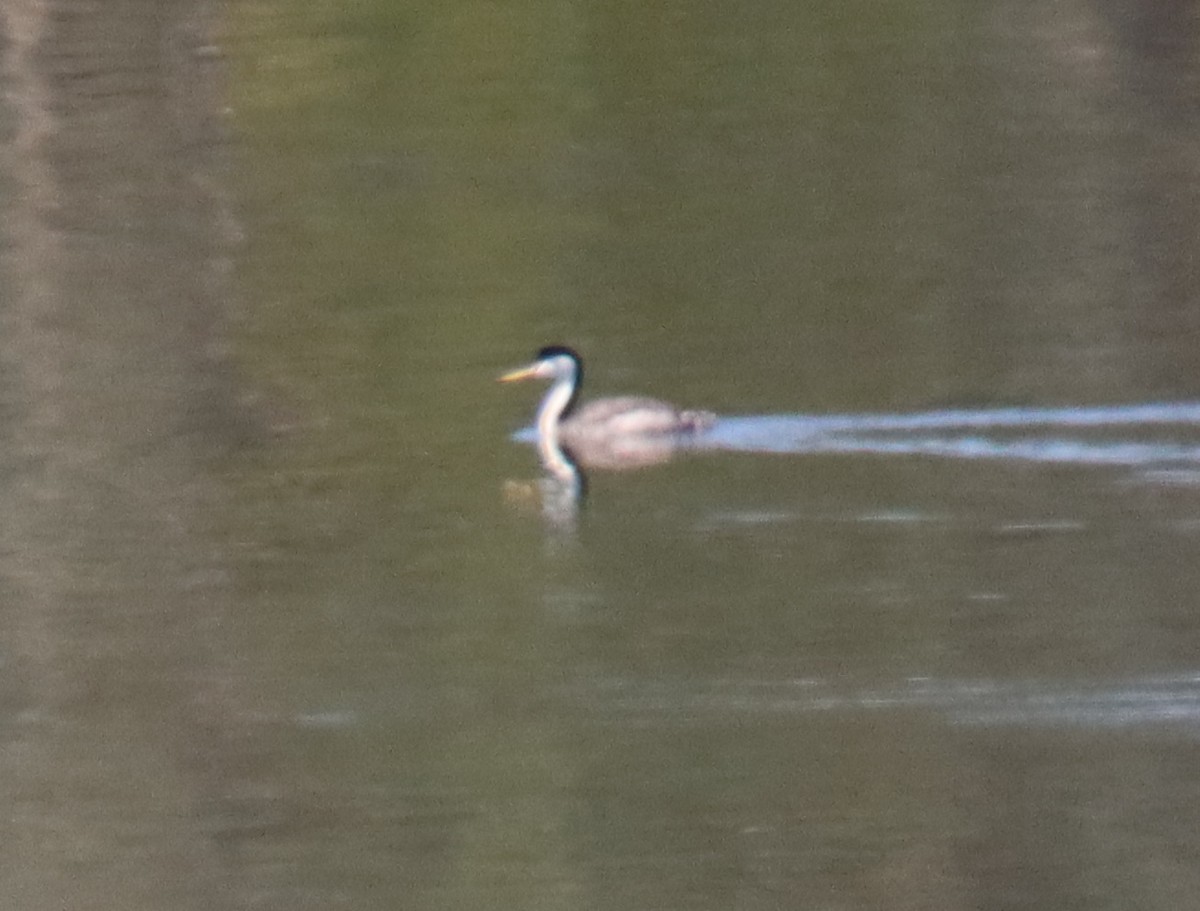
[{"x": 625, "y": 432}]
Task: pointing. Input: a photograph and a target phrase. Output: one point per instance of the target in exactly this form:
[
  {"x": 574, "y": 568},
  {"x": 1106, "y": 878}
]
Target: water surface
[{"x": 284, "y": 630}]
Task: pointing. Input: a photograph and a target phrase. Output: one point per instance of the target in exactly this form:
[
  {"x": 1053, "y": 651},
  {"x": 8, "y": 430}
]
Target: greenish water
[
  {"x": 286, "y": 626},
  {"x": 740, "y": 681}
]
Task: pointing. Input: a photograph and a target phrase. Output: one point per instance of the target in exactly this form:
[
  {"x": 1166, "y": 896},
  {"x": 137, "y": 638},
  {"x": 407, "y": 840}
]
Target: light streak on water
[
  {"x": 1051, "y": 450},
  {"x": 1185, "y": 414},
  {"x": 1172, "y": 700},
  {"x": 1169, "y": 433}
]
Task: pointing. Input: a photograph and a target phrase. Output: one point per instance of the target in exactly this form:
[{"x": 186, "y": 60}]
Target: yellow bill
[{"x": 522, "y": 373}]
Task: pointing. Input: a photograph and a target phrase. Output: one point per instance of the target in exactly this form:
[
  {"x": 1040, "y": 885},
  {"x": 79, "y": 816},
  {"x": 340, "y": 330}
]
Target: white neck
[
  {"x": 553, "y": 405},
  {"x": 549, "y": 414}
]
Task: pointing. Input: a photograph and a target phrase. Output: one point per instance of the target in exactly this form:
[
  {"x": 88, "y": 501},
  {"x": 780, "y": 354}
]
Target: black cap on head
[{"x": 557, "y": 351}]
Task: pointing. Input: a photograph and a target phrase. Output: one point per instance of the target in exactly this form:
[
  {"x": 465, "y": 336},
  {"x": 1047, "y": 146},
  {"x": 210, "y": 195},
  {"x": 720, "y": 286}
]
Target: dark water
[{"x": 282, "y": 622}]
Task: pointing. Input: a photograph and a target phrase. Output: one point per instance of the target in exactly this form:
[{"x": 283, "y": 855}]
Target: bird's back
[{"x": 633, "y": 416}]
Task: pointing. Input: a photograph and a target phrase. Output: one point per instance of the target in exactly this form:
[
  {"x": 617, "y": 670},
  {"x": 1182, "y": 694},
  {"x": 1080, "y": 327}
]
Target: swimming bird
[{"x": 622, "y": 432}]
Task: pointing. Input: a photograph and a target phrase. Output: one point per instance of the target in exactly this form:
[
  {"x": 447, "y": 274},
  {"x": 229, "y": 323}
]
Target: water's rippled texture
[{"x": 281, "y": 624}]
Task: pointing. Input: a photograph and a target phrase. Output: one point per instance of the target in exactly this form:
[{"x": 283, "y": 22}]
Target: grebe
[{"x": 623, "y": 432}]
